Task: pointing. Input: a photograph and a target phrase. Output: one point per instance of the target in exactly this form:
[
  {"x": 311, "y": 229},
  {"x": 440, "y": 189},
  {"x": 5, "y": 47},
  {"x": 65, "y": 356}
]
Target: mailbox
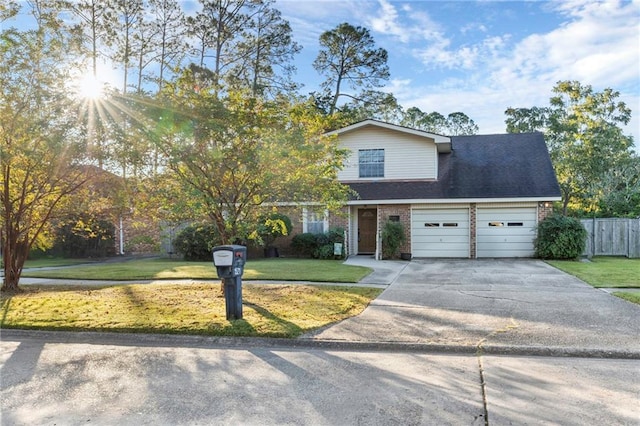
[{"x": 229, "y": 260}]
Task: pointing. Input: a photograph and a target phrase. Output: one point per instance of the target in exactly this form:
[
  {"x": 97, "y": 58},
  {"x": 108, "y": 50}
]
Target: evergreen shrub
[
  {"x": 195, "y": 242},
  {"x": 560, "y": 237}
]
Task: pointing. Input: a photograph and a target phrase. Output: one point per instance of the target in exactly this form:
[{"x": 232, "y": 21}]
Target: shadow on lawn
[{"x": 289, "y": 329}]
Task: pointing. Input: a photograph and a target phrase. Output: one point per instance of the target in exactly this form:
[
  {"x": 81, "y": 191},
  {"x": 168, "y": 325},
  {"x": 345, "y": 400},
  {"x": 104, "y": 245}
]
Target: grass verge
[
  {"x": 268, "y": 310},
  {"x": 268, "y": 269},
  {"x": 631, "y": 297},
  {"x": 604, "y": 272}
]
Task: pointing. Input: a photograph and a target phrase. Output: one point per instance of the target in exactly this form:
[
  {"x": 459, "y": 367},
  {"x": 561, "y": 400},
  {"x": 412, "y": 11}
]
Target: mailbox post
[{"x": 229, "y": 262}]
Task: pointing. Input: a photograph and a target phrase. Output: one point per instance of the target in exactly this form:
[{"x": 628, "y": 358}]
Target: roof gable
[{"x": 443, "y": 143}]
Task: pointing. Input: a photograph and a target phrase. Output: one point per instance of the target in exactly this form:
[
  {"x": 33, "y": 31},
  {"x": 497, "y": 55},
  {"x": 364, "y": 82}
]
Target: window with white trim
[
  {"x": 315, "y": 221},
  {"x": 371, "y": 163}
]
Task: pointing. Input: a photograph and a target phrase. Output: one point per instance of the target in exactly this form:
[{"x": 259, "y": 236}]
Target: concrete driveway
[{"x": 508, "y": 306}]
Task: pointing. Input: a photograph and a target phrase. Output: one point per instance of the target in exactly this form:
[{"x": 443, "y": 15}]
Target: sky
[{"x": 481, "y": 57}]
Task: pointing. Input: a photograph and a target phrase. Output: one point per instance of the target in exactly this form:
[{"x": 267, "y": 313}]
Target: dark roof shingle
[{"x": 515, "y": 165}]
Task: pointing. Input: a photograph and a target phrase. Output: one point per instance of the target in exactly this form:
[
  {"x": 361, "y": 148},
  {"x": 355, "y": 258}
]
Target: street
[{"x": 63, "y": 379}]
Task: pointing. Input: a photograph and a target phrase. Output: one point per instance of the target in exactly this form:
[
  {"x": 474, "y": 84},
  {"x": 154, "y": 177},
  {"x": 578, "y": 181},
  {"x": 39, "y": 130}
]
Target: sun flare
[{"x": 89, "y": 87}]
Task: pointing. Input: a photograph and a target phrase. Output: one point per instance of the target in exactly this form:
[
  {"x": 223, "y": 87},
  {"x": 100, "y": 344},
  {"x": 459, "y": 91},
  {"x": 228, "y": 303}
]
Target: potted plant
[{"x": 270, "y": 228}]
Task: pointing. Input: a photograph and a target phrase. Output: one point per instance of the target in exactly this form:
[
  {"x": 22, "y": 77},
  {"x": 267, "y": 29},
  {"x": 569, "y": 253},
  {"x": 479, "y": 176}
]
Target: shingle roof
[{"x": 515, "y": 165}]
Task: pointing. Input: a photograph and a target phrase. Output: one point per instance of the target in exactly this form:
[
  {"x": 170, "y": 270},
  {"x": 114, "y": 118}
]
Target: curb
[{"x": 248, "y": 343}]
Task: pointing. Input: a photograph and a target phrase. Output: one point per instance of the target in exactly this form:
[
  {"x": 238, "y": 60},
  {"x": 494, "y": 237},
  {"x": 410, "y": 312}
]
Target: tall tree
[
  {"x": 267, "y": 46},
  {"x": 96, "y": 19},
  {"x": 40, "y": 149},
  {"x": 619, "y": 190},
  {"x": 169, "y": 25},
  {"x": 583, "y": 131},
  {"x": 458, "y": 124},
  {"x": 238, "y": 152},
  {"x": 218, "y": 27},
  {"x": 526, "y": 120},
  {"x": 372, "y": 105},
  {"x": 455, "y": 124},
  {"x": 349, "y": 56},
  {"x": 128, "y": 15}
]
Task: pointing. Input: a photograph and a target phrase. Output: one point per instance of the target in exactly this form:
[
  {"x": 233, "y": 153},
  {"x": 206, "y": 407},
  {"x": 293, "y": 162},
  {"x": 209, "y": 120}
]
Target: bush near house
[
  {"x": 84, "y": 237},
  {"x": 269, "y": 229},
  {"x": 318, "y": 246},
  {"x": 560, "y": 237},
  {"x": 392, "y": 238},
  {"x": 195, "y": 242}
]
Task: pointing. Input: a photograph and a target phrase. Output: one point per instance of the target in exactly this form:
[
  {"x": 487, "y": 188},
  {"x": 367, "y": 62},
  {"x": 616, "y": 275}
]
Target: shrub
[
  {"x": 326, "y": 241},
  {"x": 84, "y": 236},
  {"x": 271, "y": 227},
  {"x": 304, "y": 244},
  {"x": 560, "y": 237},
  {"x": 318, "y": 246},
  {"x": 195, "y": 242},
  {"x": 392, "y": 238}
]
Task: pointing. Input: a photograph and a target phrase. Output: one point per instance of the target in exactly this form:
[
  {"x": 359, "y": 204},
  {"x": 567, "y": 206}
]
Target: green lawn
[
  {"x": 279, "y": 269},
  {"x": 50, "y": 262},
  {"x": 270, "y": 310},
  {"x": 611, "y": 272},
  {"x": 631, "y": 297}
]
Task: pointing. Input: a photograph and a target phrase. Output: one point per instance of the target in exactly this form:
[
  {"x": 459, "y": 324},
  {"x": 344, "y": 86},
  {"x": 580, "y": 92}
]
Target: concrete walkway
[{"x": 499, "y": 306}]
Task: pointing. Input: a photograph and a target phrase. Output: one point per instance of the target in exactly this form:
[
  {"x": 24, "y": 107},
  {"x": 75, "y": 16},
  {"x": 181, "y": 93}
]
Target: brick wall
[
  {"x": 340, "y": 219},
  {"x": 472, "y": 230},
  {"x": 545, "y": 209}
]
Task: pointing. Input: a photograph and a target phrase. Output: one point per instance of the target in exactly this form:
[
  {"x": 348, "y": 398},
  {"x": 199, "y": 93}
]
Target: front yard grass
[
  {"x": 604, "y": 272},
  {"x": 54, "y": 262},
  {"x": 279, "y": 269},
  {"x": 631, "y": 297},
  {"x": 270, "y": 310}
]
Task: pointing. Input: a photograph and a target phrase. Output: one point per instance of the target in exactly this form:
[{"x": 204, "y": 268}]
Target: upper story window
[{"x": 371, "y": 163}]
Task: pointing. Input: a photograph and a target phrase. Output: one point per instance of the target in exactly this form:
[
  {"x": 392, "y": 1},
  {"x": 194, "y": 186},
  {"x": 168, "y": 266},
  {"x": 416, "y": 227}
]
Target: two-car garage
[{"x": 500, "y": 231}]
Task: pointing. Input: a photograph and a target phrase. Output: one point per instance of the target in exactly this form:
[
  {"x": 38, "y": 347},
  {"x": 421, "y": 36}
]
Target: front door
[{"x": 367, "y": 227}]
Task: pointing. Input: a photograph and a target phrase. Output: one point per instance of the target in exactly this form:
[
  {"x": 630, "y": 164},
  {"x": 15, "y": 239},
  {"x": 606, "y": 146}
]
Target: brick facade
[
  {"x": 403, "y": 211},
  {"x": 545, "y": 209},
  {"x": 472, "y": 229}
]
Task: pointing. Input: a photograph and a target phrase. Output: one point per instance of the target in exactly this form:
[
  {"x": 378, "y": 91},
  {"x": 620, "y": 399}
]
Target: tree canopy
[
  {"x": 41, "y": 155},
  {"x": 206, "y": 119},
  {"x": 586, "y": 142},
  {"x": 349, "y": 57}
]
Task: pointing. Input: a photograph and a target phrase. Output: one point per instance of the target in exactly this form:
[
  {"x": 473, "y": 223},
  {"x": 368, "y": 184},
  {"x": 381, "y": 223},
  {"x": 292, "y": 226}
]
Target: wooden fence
[{"x": 612, "y": 237}]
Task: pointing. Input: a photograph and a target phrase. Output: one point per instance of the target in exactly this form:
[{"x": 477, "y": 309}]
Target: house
[{"x": 457, "y": 197}]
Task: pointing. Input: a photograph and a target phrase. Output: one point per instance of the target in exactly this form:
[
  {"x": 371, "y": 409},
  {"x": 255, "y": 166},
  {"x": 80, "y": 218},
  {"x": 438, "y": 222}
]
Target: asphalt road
[{"x": 63, "y": 379}]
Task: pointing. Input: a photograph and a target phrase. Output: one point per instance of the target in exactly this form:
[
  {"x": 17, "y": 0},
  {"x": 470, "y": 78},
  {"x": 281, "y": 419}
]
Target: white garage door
[
  {"x": 440, "y": 233},
  {"x": 505, "y": 232}
]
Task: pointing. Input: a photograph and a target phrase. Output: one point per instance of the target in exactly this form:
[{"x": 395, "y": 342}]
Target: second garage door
[
  {"x": 440, "y": 232},
  {"x": 506, "y": 232}
]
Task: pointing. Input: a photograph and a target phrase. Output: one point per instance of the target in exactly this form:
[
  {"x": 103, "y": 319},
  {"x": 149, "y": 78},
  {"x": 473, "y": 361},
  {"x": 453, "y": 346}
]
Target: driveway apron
[{"x": 493, "y": 303}]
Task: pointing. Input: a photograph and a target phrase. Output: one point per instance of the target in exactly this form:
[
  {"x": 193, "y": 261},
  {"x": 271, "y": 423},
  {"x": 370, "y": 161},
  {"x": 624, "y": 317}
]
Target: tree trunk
[{"x": 13, "y": 255}]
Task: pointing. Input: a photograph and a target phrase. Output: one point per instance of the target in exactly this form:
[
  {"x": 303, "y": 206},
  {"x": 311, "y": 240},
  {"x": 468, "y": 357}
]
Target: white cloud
[
  {"x": 597, "y": 45},
  {"x": 386, "y": 22}
]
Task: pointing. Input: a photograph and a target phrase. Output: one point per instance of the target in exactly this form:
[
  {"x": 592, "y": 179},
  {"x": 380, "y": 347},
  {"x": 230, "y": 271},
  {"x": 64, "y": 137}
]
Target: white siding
[
  {"x": 440, "y": 232},
  {"x": 405, "y": 156},
  {"x": 512, "y": 234}
]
